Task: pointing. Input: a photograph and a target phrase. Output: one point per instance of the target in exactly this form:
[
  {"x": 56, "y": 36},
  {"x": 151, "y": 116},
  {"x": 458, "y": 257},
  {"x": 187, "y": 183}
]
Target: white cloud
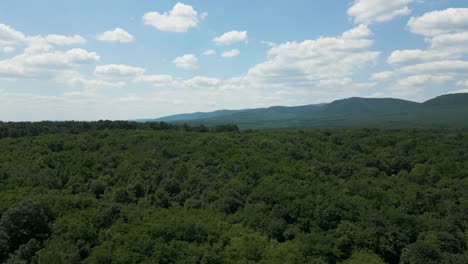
[
  {"x": 186, "y": 62},
  {"x": 458, "y": 91},
  {"x": 88, "y": 93},
  {"x": 440, "y": 65},
  {"x": 37, "y": 44},
  {"x": 361, "y": 31},
  {"x": 383, "y": 76},
  {"x": 451, "y": 66},
  {"x": 75, "y": 79},
  {"x": 209, "y": 52},
  {"x": 65, "y": 40},
  {"x": 156, "y": 80},
  {"x": 180, "y": 19},
  {"x": 230, "y": 53},
  {"x": 168, "y": 81},
  {"x": 45, "y": 65},
  {"x": 231, "y": 37},
  {"x": 8, "y": 49},
  {"x": 9, "y": 36},
  {"x": 8, "y": 69},
  {"x": 310, "y": 63},
  {"x": 424, "y": 79},
  {"x": 90, "y": 83},
  {"x": 39, "y": 60},
  {"x": 449, "y": 40},
  {"x": 462, "y": 83},
  {"x": 452, "y": 20},
  {"x": 118, "y": 70},
  {"x": 202, "y": 82},
  {"x": 400, "y": 57},
  {"x": 70, "y": 58},
  {"x": 116, "y": 35},
  {"x": 377, "y": 11},
  {"x": 269, "y": 43},
  {"x": 412, "y": 80}
]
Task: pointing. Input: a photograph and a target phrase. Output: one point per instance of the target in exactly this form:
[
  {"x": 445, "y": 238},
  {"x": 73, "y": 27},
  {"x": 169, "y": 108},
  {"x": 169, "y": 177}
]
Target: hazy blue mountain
[
  {"x": 449, "y": 99},
  {"x": 192, "y": 116},
  {"x": 443, "y": 111}
]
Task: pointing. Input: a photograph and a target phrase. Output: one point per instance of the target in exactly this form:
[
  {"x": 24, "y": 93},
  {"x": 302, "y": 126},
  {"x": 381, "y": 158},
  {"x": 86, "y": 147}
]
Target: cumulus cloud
[
  {"x": 209, "y": 52},
  {"x": 361, "y": 31},
  {"x": 441, "y": 65},
  {"x": 8, "y": 49},
  {"x": 168, "y": 81},
  {"x": 116, "y": 35},
  {"x": 378, "y": 11},
  {"x": 269, "y": 43},
  {"x": 8, "y": 69},
  {"x": 45, "y": 65},
  {"x": 156, "y": 80},
  {"x": 312, "y": 63},
  {"x": 75, "y": 79},
  {"x": 201, "y": 82},
  {"x": 163, "y": 78},
  {"x": 9, "y": 36},
  {"x": 424, "y": 79},
  {"x": 230, "y": 53},
  {"x": 37, "y": 44},
  {"x": 180, "y": 19},
  {"x": 186, "y": 62},
  {"x": 449, "y": 40},
  {"x": 118, "y": 70},
  {"x": 231, "y": 37},
  {"x": 383, "y": 76},
  {"x": 65, "y": 40},
  {"x": 70, "y": 58},
  {"x": 401, "y": 57},
  {"x": 452, "y": 20},
  {"x": 455, "y": 66},
  {"x": 463, "y": 83}
]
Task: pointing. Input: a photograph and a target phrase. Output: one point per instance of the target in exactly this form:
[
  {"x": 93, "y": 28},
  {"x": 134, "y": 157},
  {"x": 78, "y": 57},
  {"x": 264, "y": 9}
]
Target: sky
[{"x": 122, "y": 59}]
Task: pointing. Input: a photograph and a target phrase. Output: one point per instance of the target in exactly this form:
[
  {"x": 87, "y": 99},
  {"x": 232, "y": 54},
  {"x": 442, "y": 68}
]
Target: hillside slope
[{"x": 445, "y": 111}]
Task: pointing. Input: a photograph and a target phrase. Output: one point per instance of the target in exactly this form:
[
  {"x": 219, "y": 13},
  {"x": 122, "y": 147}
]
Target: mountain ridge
[{"x": 440, "y": 112}]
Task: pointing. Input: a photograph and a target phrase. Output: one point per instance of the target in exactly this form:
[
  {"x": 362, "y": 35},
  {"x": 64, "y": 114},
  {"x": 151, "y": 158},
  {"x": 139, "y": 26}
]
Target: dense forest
[{"x": 123, "y": 192}]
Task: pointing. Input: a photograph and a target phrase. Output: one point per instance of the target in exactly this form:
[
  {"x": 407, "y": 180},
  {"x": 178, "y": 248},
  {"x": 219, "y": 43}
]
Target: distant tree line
[{"x": 23, "y": 129}]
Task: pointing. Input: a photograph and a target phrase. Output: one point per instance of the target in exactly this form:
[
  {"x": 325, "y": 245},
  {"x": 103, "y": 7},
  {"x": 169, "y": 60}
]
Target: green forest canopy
[{"x": 119, "y": 192}]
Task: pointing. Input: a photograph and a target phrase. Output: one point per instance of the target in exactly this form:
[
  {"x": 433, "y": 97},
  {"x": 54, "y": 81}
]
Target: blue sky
[{"x": 89, "y": 60}]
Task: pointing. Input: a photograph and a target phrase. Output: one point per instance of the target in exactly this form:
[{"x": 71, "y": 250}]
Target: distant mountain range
[{"x": 447, "y": 111}]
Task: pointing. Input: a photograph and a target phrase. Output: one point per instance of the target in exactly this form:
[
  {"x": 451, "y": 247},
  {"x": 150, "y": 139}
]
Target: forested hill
[
  {"x": 116, "y": 192},
  {"x": 447, "y": 111}
]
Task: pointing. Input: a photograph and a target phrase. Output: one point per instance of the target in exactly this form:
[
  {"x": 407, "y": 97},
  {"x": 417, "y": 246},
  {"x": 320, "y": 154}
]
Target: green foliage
[
  {"x": 24, "y": 221},
  {"x": 420, "y": 253},
  {"x": 120, "y": 192},
  {"x": 26, "y": 253},
  {"x": 364, "y": 256},
  {"x": 60, "y": 252},
  {"x": 4, "y": 245}
]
